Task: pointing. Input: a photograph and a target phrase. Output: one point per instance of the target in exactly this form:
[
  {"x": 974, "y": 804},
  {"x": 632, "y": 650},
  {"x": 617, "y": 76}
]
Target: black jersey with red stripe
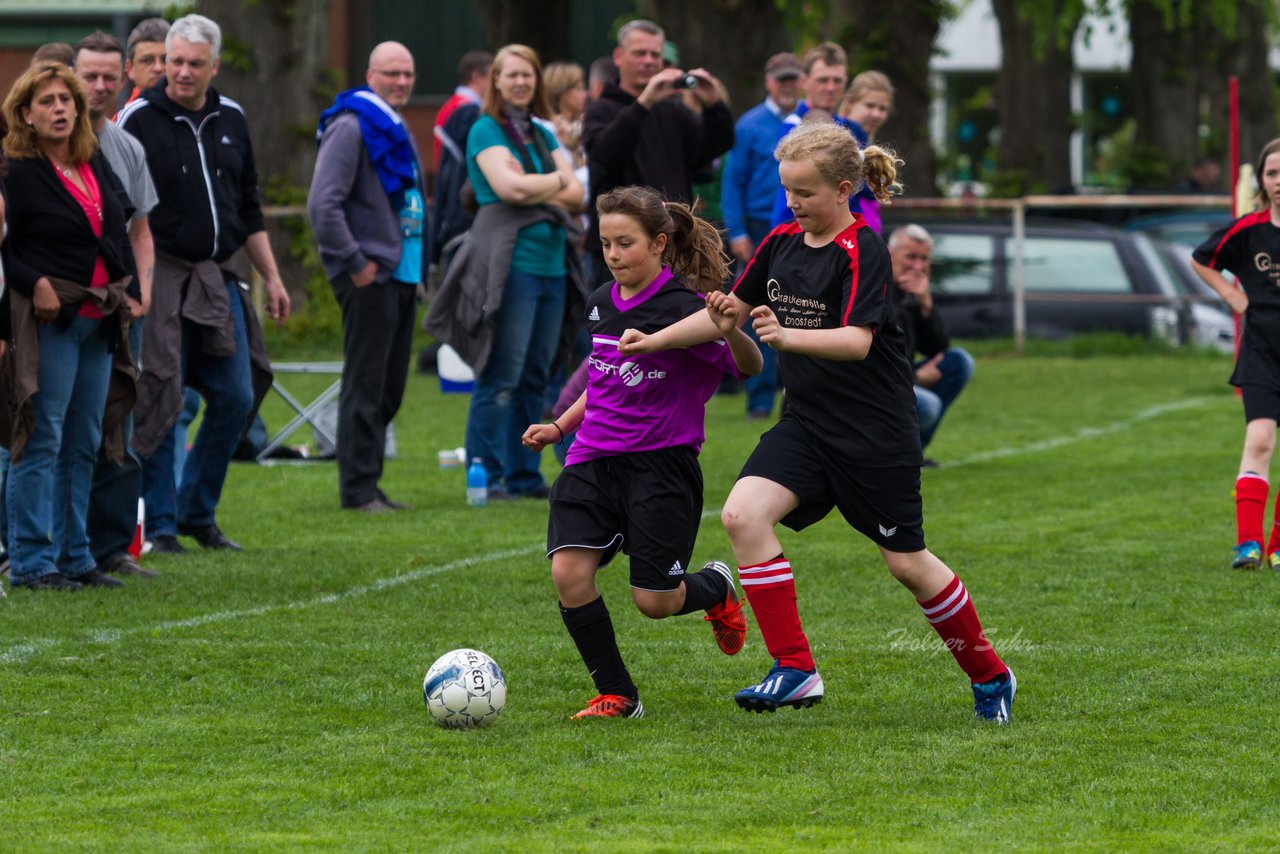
[
  {"x": 1250, "y": 249},
  {"x": 865, "y": 411}
]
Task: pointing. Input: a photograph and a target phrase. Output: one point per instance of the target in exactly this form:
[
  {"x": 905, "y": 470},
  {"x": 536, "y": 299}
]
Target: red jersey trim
[
  {"x": 787, "y": 228},
  {"x": 1240, "y": 225},
  {"x": 849, "y": 240}
]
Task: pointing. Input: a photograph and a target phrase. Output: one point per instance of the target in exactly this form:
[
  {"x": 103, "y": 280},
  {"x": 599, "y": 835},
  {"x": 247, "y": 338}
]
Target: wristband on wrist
[{"x": 558, "y": 430}]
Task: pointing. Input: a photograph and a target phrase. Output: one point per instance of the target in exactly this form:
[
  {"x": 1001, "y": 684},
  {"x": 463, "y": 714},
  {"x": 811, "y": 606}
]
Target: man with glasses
[{"x": 367, "y": 210}]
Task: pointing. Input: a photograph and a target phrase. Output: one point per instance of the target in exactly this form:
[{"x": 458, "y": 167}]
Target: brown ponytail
[
  {"x": 694, "y": 249},
  {"x": 880, "y": 171}
]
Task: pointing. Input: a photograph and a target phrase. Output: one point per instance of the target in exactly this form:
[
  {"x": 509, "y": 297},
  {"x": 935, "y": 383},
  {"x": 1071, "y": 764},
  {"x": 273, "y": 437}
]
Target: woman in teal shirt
[{"x": 514, "y": 160}]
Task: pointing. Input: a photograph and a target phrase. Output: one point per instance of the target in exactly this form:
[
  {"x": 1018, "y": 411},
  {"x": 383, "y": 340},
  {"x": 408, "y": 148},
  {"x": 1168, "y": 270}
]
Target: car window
[
  {"x": 962, "y": 264},
  {"x": 1056, "y": 264}
]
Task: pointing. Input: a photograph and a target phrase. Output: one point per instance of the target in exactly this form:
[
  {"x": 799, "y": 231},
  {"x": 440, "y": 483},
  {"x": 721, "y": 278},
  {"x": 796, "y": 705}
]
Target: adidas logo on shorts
[{"x": 676, "y": 569}]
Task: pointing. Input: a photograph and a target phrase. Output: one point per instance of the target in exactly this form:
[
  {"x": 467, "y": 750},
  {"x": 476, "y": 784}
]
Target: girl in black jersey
[
  {"x": 818, "y": 292},
  {"x": 1250, "y": 248},
  {"x": 631, "y": 480}
]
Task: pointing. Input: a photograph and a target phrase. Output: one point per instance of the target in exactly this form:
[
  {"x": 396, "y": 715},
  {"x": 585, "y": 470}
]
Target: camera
[{"x": 685, "y": 81}]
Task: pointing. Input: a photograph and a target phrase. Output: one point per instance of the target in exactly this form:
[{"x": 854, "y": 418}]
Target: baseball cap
[{"x": 783, "y": 66}]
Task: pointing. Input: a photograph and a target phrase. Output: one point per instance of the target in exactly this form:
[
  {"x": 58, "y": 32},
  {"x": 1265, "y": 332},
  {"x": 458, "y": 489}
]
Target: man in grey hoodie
[{"x": 369, "y": 222}]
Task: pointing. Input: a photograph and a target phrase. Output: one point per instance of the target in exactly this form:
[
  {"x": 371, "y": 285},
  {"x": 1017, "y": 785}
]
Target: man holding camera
[{"x": 636, "y": 132}]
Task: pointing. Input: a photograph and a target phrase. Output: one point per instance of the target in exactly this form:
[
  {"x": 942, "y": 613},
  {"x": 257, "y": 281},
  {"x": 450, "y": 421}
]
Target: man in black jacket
[
  {"x": 201, "y": 160},
  {"x": 944, "y": 371},
  {"x": 637, "y": 132}
]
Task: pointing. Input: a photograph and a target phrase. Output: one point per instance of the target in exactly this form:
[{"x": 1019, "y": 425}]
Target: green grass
[{"x": 270, "y": 700}]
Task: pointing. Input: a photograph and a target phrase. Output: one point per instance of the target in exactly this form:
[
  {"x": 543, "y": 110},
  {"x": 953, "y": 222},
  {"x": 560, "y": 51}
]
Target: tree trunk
[
  {"x": 543, "y": 26},
  {"x": 1034, "y": 92},
  {"x": 1243, "y": 52},
  {"x": 275, "y": 64},
  {"x": 1164, "y": 82},
  {"x": 900, "y": 44},
  {"x": 732, "y": 39}
]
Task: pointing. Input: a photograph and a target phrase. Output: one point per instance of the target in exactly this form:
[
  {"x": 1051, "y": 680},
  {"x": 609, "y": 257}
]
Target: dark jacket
[
  {"x": 186, "y": 222},
  {"x": 660, "y": 147},
  {"x": 451, "y": 218},
  {"x": 20, "y": 368},
  {"x": 461, "y": 315},
  {"x": 925, "y": 335},
  {"x": 50, "y": 236},
  {"x": 193, "y": 294}
]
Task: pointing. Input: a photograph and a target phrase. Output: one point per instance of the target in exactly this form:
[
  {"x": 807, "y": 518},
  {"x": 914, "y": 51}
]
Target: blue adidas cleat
[
  {"x": 1247, "y": 555},
  {"x": 993, "y": 701},
  {"x": 783, "y": 686}
]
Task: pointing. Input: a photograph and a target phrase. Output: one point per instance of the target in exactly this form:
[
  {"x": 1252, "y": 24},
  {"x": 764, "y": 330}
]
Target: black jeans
[{"x": 377, "y": 338}]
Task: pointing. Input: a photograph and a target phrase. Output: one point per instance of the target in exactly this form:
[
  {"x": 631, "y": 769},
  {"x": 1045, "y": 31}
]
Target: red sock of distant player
[
  {"x": 771, "y": 590},
  {"x": 1251, "y": 507},
  {"x": 954, "y": 619},
  {"x": 1273, "y": 544}
]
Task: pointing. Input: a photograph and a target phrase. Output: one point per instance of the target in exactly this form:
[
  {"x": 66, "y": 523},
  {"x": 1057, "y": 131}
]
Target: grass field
[{"x": 271, "y": 700}]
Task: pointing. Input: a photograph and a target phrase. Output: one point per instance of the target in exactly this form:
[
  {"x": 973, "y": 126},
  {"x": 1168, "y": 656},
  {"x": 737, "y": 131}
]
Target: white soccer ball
[{"x": 464, "y": 689}]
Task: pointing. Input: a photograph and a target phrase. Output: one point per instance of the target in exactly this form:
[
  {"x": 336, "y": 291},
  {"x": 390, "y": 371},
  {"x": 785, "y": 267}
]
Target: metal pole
[{"x": 1019, "y": 283}]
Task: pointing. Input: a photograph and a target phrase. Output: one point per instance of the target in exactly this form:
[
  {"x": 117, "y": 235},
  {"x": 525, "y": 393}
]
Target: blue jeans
[
  {"x": 190, "y": 409},
  {"x": 113, "y": 498},
  {"x": 762, "y": 389},
  {"x": 932, "y": 403},
  {"x": 48, "y": 489},
  {"x": 4, "y": 504},
  {"x": 508, "y": 395},
  {"x": 227, "y": 387}
]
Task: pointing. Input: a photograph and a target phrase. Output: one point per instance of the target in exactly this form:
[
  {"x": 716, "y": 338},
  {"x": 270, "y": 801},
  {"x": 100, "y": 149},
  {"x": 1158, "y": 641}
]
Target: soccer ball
[{"x": 464, "y": 689}]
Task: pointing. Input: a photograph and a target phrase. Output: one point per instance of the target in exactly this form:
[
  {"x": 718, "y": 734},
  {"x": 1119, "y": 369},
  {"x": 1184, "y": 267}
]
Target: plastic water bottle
[{"x": 477, "y": 484}]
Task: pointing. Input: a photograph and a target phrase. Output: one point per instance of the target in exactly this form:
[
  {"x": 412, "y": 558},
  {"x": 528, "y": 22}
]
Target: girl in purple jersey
[
  {"x": 1250, "y": 248},
  {"x": 818, "y": 292},
  {"x": 631, "y": 481}
]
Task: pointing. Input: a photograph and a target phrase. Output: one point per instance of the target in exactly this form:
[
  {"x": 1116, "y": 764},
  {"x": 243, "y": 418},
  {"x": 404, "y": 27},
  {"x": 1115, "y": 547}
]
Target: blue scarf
[{"x": 385, "y": 138}]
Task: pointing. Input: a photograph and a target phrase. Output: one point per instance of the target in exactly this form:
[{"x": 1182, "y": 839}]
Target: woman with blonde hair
[
  {"x": 518, "y": 262},
  {"x": 69, "y": 268}
]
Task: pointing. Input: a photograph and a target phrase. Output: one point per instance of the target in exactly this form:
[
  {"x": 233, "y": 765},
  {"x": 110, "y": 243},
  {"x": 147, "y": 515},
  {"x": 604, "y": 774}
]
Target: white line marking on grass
[
  {"x": 1083, "y": 434},
  {"x": 23, "y": 651}
]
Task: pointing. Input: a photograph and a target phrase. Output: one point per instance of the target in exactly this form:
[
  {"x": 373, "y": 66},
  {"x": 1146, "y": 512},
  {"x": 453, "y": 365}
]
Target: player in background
[
  {"x": 817, "y": 291},
  {"x": 631, "y": 480},
  {"x": 1250, "y": 248}
]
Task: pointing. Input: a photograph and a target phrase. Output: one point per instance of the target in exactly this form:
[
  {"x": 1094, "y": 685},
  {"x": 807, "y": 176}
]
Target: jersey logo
[
  {"x": 226, "y": 140},
  {"x": 676, "y": 569},
  {"x": 847, "y": 243},
  {"x": 887, "y": 532},
  {"x": 630, "y": 373},
  {"x": 595, "y": 313},
  {"x": 1262, "y": 261}
]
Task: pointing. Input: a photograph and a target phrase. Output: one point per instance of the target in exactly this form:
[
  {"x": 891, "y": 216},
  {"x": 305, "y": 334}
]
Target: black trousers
[{"x": 377, "y": 338}]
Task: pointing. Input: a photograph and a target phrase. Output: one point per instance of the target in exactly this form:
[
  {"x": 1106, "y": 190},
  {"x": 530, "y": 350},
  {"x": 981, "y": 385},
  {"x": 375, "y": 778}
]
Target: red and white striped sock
[
  {"x": 771, "y": 589},
  {"x": 952, "y": 615},
  {"x": 1251, "y": 506}
]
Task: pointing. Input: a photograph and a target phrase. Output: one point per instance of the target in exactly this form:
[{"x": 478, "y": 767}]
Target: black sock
[
  {"x": 592, "y": 631},
  {"x": 702, "y": 590}
]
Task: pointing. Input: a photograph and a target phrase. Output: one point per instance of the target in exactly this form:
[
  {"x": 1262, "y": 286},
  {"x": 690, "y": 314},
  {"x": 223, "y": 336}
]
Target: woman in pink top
[{"x": 67, "y": 241}]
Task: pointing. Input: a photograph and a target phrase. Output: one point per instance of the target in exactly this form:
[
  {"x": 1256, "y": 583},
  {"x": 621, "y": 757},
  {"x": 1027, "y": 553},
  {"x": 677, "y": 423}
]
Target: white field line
[
  {"x": 23, "y": 651},
  {"x": 1084, "y": 434}
]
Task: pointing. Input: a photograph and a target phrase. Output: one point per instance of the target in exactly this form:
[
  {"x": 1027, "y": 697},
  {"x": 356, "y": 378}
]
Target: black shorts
[
  {"x": 881, "y": 503},
  {"x": 647, "y": 505},
  {"x": 1260, "y": 401}
]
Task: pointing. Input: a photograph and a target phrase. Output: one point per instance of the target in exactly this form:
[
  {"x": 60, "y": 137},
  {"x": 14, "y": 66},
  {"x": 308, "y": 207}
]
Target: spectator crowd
[{"x": 129, "y": 183}]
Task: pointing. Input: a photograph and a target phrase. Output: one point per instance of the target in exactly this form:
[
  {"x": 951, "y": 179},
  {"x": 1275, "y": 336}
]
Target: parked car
[{"x": 1078, "y": 278}]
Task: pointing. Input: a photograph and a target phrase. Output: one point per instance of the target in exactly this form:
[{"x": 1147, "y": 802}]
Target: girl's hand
[
  {"x": 767, "y": 327},
  {"x": 633, "y": 341},
  {"x": 45, "y": 301},
  {"x": 1237, "y": 300},
  {"x": 538, "y": 436},
  {"x": 723, "y": 310}
]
